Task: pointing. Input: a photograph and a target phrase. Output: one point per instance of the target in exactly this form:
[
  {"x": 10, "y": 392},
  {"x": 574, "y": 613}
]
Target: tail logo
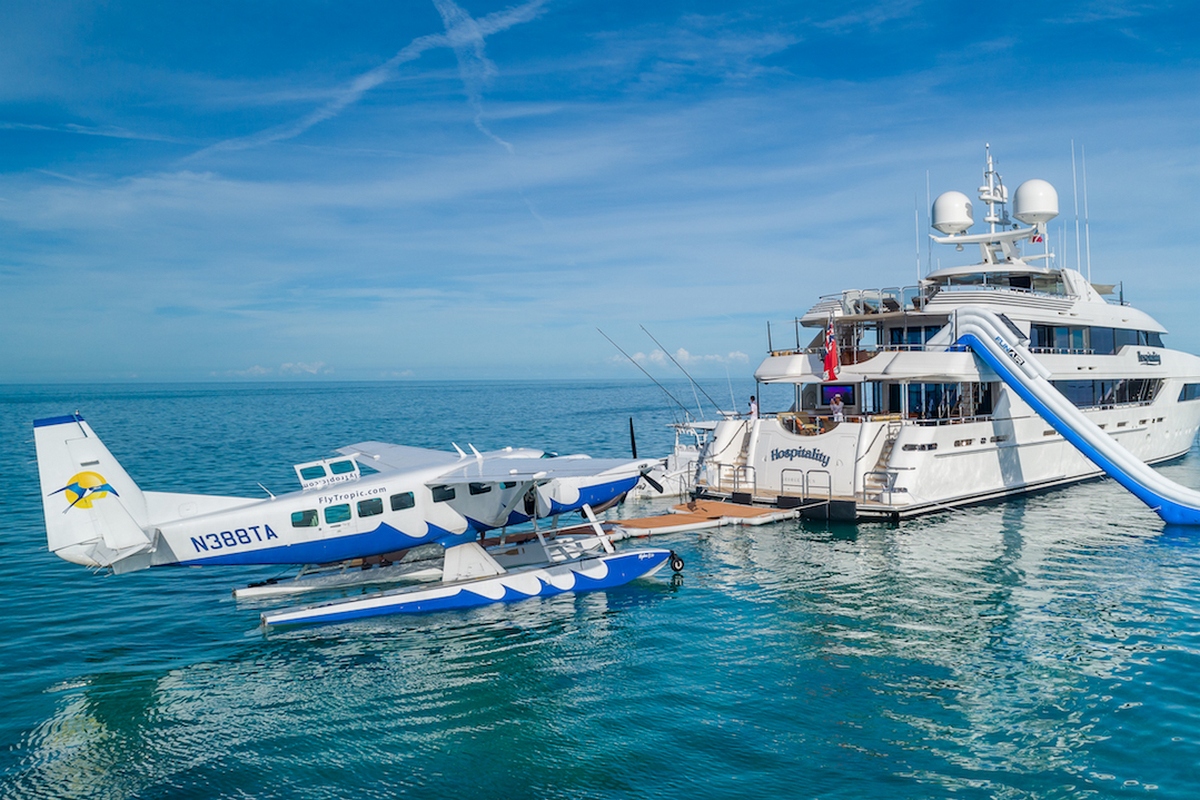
[{"x": 85, "y": 488}]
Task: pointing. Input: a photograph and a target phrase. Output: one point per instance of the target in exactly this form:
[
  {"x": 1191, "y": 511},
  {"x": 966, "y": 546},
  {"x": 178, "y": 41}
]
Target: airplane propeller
[{"x": 657, "y": 486}]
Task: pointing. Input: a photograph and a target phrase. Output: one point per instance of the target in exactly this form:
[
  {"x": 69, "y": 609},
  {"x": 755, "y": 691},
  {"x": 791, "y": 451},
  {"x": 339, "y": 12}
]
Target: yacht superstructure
[{"x": 892, "y": 418}]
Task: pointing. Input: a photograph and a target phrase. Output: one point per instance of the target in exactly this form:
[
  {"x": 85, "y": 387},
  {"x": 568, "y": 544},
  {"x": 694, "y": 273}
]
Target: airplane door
[{"x": 338, "y": 520}]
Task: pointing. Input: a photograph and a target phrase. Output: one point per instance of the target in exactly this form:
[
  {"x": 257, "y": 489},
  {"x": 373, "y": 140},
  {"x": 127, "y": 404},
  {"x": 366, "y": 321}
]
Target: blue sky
[{"x": 360, "y": 190}]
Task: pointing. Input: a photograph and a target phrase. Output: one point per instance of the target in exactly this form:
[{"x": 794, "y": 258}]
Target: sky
[{"x": 461, "y": 189}]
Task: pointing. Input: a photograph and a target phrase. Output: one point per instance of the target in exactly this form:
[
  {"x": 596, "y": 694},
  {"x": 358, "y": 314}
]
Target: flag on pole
[{"x": 831, "y": 352}]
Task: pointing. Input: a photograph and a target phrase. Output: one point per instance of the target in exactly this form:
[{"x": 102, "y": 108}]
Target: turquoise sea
[{"x": 1042, "y": 648}]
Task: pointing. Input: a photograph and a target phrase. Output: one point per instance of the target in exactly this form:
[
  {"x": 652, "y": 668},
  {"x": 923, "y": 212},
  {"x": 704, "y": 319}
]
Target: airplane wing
[
  {"x": 398, "y": 457},
  {"x": 386, "y": 457},
  {"x": 498, "y": 470}
]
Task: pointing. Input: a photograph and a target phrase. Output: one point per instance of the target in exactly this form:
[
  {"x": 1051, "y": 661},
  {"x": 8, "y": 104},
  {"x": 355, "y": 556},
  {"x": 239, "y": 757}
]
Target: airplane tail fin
[{"x": 95, "y": 513}]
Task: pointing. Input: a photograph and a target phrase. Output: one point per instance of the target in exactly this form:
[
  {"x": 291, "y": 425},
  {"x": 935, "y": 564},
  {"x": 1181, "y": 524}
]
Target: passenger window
[
  {"x": 442, "y": 493},
  {"x": 402, "y": 501},
  {"x": 304, "y": 519},
  {"x": 508, "y": 484},
  {"x": 336, "y": 514},
  {"x": 369, "y": 508},
  {"x": 479, "y": 488},
  {"x": 341, "y": 467},
  {"x": 312, "y": 473}
]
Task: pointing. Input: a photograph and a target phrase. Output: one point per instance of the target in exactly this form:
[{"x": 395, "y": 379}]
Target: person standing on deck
[
  {"x": 753, "y": 408},
  {"x": 837, "y": 409}
]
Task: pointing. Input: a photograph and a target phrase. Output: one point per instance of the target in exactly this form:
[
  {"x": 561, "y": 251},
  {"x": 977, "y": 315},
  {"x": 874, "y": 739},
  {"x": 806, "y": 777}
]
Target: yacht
[{"x": 892, "y": 416}]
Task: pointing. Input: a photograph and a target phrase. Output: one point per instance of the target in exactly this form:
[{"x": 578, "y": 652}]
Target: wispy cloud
[
  {"x": 111, "y": 132},
  {"x": 659, "y": 358},
  {"x": 283, "y": 370}
]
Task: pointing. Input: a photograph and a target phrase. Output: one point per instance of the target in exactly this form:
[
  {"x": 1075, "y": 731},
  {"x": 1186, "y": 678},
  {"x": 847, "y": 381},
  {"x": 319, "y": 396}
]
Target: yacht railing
[
  {"x": 852, "y": 302},
  {"x": 730, "y": 477},
  {"x": 1066, "y": 351},
  {"x": 993, "y": 287}
]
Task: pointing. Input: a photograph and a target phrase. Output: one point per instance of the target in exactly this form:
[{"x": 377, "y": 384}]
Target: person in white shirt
[
  {"x": 753, "y": 408},
  {"x": 837, "y": 409}
]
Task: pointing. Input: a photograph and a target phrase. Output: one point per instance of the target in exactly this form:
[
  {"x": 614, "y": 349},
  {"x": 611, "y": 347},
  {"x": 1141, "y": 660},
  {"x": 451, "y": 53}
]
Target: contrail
[
  {"x": 467, "y": 36},
  {"x": 461, "y": 30}
]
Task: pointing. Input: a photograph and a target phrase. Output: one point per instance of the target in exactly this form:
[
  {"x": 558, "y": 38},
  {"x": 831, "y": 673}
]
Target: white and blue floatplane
[{"x": 358, "y": 515}]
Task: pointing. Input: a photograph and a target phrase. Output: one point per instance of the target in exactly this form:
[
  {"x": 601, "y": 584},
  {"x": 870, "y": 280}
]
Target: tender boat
[{"x": 925, "y": 423}]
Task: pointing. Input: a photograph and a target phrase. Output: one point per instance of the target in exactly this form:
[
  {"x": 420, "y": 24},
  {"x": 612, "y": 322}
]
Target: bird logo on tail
[{"x": 85, "y": 488}]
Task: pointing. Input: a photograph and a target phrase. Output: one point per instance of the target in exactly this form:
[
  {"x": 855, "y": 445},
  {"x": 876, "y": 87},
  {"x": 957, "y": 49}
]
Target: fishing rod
[
  {"x": 686, "y": 413},
  {"x": 692, "y": 380}
]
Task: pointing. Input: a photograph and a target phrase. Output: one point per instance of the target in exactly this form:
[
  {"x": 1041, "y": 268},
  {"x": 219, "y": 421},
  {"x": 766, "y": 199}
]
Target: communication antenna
[
  {"x": 928, "y": 224},
  {"x": 1087, "y": 235},
  {"x": 917, "y": 231},
  {"x": 994, "y": 193},
  {"x": 1075, "y": 187}
]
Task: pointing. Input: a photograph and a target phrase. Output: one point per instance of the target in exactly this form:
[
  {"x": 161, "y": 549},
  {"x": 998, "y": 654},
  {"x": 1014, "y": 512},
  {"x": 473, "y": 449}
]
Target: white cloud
[{"x": 299, "y": 368}]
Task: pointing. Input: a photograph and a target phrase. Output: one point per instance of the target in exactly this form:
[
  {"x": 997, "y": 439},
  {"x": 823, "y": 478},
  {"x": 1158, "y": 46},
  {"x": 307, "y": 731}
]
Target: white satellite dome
[
  {"x": 952, "y": 213},
  {"x": 1035, "y": 201}
]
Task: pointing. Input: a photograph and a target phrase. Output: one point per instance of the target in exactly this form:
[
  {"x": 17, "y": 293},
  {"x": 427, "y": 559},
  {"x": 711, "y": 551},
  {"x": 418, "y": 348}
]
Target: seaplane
[{"x": 357, "y": 519}]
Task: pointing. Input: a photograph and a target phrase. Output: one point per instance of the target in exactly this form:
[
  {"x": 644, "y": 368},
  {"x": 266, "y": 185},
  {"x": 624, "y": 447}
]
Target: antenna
[
  {"x": 917, "y": 231},
  {"x": 1087, "y": 236},
  {"x": 928, "y": 224},
  {"x": 695, "y": 385},
  {"x": 993, "y": 193},
  {"x": 1075, "y": 187}
]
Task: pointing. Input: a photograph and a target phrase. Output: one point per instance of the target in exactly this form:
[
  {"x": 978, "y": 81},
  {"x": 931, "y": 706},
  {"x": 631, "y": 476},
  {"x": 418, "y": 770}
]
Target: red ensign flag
[{"x": 831, "y": 352}]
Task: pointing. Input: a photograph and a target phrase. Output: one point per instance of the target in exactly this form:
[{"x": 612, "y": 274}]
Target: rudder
[{"x": 95, "y": 513}]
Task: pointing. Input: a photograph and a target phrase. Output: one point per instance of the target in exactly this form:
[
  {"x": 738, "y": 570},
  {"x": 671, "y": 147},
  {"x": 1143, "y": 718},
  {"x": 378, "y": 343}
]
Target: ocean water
[{"x": 1047, "y": 647}]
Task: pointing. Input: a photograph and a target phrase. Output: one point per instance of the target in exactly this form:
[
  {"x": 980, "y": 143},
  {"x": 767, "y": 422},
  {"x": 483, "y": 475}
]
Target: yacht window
[
  {"x": 933, "y": 400},
  {"x": 1123, "y": 337},
  {"x": 1062, "y": 338},
  {"x": 912, "y": 337},
  {"x": 304, "y": 519},
  {"x": 341, "y": 467},
  {"x": 336, "y": 514},
  {"x": 402, "y": 501},
  {"x": 369, "y": 508},
  {"x": 508, "y": 484},
  {"x": 1080, "y": 393},
  {"x": 312, "y": 473},
  {"x": 1190, "y": 391},
  {"x": 1154, "y": 339},
  {"x": 442, "y": 493},
  {"x": 1087, "y": 394},
  {"x": 1102, "y": 341},
  {"x": 872, "y": 398},
  {"x": 479, "y": 488}
]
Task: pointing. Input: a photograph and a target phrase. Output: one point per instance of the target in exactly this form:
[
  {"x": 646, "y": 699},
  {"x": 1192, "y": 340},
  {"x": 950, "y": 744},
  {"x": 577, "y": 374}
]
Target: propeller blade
[{"x": 657, "y": 486}]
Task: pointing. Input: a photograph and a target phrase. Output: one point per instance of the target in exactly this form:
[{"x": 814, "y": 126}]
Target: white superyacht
[{"x": 893, "y": 416}]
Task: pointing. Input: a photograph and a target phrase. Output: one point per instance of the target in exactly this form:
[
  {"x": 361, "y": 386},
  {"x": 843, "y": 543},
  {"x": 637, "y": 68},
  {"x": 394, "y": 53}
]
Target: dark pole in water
[{"x": 632, "y": 441}]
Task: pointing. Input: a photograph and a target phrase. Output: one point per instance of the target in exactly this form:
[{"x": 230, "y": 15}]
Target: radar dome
[
  {"x": 952, "y": 213},
  {"x": 1035, "y": 201}
]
